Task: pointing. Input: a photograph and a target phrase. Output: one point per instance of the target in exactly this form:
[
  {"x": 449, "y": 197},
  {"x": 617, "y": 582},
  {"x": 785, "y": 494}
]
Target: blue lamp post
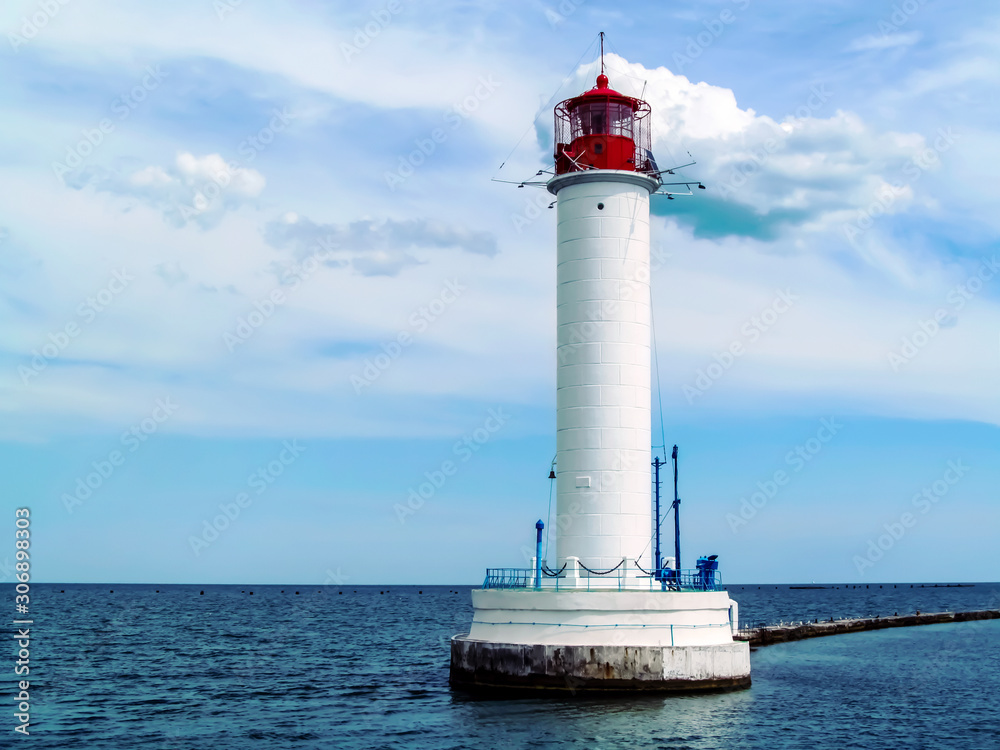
[{"x": 538, "y": 553}]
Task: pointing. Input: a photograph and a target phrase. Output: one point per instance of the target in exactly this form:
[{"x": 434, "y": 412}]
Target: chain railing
[{"x": 622, "y": 577}]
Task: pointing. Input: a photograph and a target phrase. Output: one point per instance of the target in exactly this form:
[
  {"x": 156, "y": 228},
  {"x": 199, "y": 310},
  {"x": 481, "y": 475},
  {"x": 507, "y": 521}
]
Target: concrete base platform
[{"x": 483, "y": 665}]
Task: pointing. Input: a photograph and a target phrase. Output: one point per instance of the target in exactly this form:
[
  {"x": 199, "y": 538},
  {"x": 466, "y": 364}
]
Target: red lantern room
[{"x": 602, "y": 129}]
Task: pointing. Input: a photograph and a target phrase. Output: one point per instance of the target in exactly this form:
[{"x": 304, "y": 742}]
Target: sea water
[{"x": 166, "y": 666}]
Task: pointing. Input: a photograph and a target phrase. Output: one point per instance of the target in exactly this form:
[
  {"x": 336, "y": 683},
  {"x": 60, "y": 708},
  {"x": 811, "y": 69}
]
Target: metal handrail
[
  {"x": 664, "y": 579},
  {"x": 508, "y": 578}
]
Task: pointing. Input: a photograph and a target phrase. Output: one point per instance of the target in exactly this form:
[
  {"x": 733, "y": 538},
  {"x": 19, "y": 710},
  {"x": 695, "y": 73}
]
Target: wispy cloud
[
  {"x": 377, "y": 248},
  {"x": 884, "y": 41},
  {"x": 200, "y": 190},
  {"x": 171, "y": 273}
]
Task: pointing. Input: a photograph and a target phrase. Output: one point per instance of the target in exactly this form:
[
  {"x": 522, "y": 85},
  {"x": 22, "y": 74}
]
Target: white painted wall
[
  {"x": 603, "y": 370},
  {"x": 602, "y": 618}
]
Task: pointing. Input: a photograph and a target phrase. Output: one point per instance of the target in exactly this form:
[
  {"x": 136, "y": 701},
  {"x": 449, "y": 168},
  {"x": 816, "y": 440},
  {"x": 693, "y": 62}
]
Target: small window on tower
[
  {"x": 600, "y": 206},
  {"x": 598, "y": 148}
]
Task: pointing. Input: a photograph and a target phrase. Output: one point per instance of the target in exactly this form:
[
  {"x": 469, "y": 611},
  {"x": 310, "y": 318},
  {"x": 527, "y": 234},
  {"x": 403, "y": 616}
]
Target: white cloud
[
  {"x": 809, "y": 170},
  {"x": 316, "y": 56},
  {"x": 778, "y": 227},
  {"x": 195, "y": 189},
  {"x": 958, "y": 73},
  {"x": 241, "y": 181},
  {"x": 376, "y": 248},
  {"x": 832, "y": 347},
  {"x": 383, "y": 262},
  {"x": 885, "y": 41},
  {"x": 171, "y": 272}
]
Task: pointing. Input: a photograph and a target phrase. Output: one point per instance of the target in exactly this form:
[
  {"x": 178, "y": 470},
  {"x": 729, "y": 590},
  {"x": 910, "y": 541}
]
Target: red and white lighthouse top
[{"x": 602, "y": 129}]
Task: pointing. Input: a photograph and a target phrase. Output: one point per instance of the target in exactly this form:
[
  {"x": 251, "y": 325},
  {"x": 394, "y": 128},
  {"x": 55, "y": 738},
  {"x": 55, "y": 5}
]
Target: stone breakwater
[{"x": 768, "y": 634}]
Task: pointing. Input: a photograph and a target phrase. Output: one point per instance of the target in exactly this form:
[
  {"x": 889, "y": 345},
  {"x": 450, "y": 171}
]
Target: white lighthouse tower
[
  {"x": 602, "y": 312},
  {"x": 605, "y": 614}
]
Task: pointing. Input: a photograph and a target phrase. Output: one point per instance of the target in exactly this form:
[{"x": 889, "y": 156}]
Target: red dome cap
[{"x": 602, "y": 88}]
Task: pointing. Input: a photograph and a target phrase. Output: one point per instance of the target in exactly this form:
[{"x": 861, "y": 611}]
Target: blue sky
[{"x": 255, "y": 273}]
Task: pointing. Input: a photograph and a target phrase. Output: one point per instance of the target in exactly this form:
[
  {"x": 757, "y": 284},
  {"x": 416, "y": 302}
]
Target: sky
[{"x": 265, "y": 270}]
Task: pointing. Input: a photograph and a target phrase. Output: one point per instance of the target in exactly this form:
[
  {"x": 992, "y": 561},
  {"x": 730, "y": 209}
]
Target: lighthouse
[
  {"x": 605, "y": 614},
  {"x": 604, "y": 175}
]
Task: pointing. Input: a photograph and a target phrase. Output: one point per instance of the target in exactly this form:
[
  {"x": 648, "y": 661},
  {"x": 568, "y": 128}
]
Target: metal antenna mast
[
  {"x": 677, "y": 518},
  {"x": 657, "y": 564}
]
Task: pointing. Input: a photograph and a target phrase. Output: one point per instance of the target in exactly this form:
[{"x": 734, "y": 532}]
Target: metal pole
[
  {"x": 657, "y": 565},
  {"x": 677, "y": 520},
  {"x": 538, "y": 553}
]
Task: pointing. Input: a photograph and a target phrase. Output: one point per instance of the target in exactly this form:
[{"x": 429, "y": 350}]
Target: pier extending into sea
[{"x": 766, "y": 635}]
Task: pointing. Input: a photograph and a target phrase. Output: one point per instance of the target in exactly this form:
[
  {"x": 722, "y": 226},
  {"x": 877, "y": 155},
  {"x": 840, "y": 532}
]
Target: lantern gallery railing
[{"x": 624, "y": 578}]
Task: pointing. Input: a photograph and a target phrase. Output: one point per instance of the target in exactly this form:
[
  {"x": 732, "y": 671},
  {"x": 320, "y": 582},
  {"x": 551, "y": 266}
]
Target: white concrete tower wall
[{"x": 603, "y": 368}]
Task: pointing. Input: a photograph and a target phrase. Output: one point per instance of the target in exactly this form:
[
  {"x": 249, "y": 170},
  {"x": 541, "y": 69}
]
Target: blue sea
[{"x": 165, "y": 666}]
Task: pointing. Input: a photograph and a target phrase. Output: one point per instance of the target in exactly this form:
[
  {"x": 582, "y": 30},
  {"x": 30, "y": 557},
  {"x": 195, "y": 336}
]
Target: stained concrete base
[{"x": 483, "y": 665}]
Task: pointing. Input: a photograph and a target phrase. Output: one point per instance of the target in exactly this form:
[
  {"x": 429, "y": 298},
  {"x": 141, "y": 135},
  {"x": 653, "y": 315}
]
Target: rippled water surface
[{"x": 367, "y": 667}]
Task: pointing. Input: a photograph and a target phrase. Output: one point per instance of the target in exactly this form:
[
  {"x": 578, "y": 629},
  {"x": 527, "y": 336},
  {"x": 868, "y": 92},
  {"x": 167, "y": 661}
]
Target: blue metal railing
[
  {"x": 624, "y": 578},
  {"x": 689, "y": 580},
  {"x": 509, "y": 578}
]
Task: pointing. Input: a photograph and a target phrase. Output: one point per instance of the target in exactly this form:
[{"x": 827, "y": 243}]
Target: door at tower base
[{"x": 481, "y": 665}]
